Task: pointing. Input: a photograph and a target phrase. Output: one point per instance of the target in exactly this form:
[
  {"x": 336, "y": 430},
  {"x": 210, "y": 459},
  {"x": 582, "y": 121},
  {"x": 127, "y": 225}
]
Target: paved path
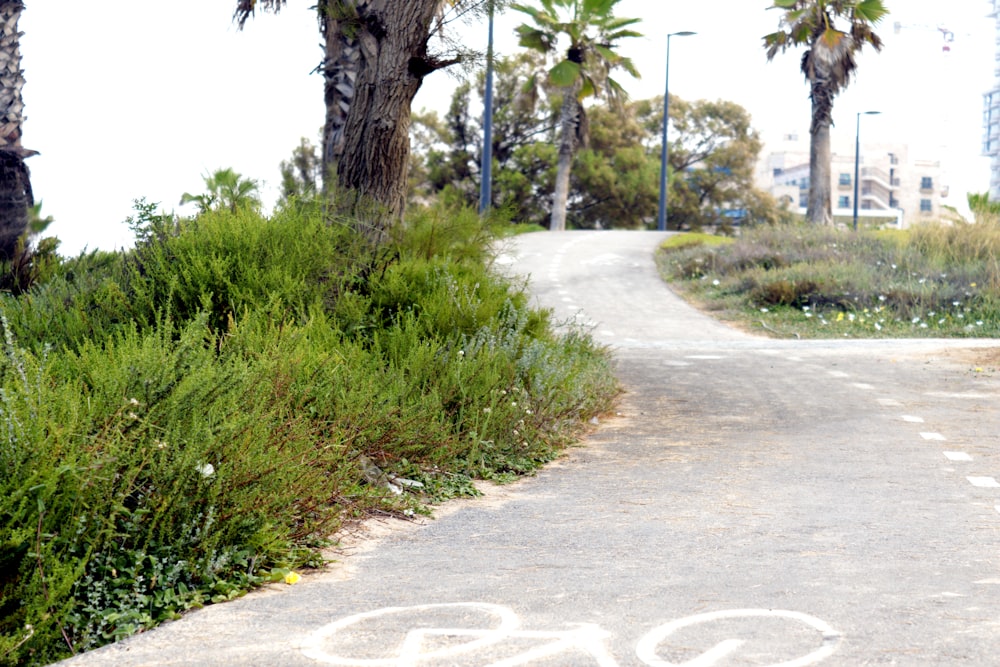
[{"x": 758, "y": 502}]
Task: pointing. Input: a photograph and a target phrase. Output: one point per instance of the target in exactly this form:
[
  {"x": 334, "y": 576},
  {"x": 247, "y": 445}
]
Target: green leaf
[
  {"x": 785, "y": 4},
  {"x": 565, "y": 74}
]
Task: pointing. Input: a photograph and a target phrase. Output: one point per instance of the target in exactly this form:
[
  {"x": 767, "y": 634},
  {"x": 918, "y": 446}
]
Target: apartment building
[
  {"x": 891, "y": 183},
  {"x": 991, "y": 115}
]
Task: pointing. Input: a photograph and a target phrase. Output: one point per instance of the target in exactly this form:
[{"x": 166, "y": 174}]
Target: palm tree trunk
[
  {"x": 568, "y": 120},
  {"x": 376, "y": 60},
  {"x": 15, "y": 183},
  {"x": 819, "y": 209}
]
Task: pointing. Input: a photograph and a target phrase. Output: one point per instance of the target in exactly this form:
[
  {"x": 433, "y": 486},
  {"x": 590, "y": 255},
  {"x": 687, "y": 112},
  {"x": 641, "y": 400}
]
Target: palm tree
[
  {"x": 833, "y": 32},
  {"x": 225, "y": 189},
  {"x": 15, "y": 182},
  {"x": 376, "y": 55},
  {"x": 582, "y": 70}
]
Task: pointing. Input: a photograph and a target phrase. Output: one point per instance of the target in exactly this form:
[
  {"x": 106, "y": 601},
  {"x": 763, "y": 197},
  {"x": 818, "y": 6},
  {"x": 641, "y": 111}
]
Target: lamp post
[
  {"x": 857, "y": 159},
  {"x": 486, "y": 167},
  {"x": 661, "y": 216}
]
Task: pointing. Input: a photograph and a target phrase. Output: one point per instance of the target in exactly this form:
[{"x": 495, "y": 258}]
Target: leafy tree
[
  {"x": 832, "y": 31},
  {"x": 615, "y": 179},
  {"x": 15, "y": 181},
  {"x": 225, "y": 189},
  {"x": 376, "y": 55},
  {"x": 582, "y": 70},
  {"x": 301, "y": 175}
]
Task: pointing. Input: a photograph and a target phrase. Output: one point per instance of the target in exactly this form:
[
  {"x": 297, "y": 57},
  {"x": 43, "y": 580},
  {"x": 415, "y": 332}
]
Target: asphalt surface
[{"x": 756, "y": 502}]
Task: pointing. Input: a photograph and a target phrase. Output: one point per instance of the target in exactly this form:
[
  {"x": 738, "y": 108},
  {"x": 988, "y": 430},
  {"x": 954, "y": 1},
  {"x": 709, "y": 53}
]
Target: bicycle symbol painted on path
[{"x": 489, "y": 635}]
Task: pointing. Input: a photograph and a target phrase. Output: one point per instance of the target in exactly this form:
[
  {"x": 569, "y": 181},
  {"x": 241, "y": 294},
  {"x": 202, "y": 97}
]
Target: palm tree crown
[
  {"x": 833, "y": 32},
  {"x": 582, "y": 70}
]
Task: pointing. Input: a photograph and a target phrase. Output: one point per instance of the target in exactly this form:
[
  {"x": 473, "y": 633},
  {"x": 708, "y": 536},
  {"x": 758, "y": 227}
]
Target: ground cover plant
[
  {"x": 198, "y": 416},
  {"x": 808, "y": 281}
]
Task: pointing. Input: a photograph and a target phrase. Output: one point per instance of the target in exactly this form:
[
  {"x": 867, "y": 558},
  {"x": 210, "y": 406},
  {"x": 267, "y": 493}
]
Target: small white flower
[
  {"x": 132, "y": 415},
  {"x": 923, "y": 325},
  {"x": 461, "y": 353},
  {"x": 715, "y": 282},
  {"x": 487, "y": 410},
  {"x": 915, "y": 320},
  {"x": 528, "y": 412},
  {"x": 133, "y": 401},
  {"x": 763, "y": 310},
  {"x": 878, "y": 327},
  {"x": 206, "y": 470},
  {"x": 979, "y": 323},
  {"x": 956, "y": 303},
  {"x": 881, "y": 298}
]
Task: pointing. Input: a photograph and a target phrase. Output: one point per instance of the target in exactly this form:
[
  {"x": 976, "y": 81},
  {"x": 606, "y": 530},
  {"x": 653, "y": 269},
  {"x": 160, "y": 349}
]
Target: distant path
[{"x": 757, "y": 502}]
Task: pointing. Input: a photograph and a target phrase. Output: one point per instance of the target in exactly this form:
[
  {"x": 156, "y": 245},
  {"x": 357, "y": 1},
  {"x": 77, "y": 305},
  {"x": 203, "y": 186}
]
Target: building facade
[
  {"x": 891, "y": 184},
  {"x": 991, "y": 115}
]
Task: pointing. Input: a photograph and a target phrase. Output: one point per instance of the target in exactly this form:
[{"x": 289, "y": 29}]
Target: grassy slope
[{"x": 933, "y": 280}]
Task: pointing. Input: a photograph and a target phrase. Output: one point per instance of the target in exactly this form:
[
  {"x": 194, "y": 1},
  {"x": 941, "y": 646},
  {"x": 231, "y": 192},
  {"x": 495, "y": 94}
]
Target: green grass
[
  {"x": 188, "y": 420},
  {"x": 933, "y": 280}
]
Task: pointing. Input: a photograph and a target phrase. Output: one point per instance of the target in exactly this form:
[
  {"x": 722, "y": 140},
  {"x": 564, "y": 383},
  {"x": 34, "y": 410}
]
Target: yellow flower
[
  {"x": 292, "y": 578},
  {"x": 840, "y": 317},
  {"x": 972, "y": 284}
]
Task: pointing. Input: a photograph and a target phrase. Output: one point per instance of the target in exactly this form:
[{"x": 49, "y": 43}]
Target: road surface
[{"x": 756, "y": 502}]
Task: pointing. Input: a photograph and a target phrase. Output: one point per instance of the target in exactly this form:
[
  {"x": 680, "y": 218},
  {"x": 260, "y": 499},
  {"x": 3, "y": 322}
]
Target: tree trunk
[
  {"x": 15, "y": 183},
  {"x": 819, "y": 210},
  {"x": 376, "y": 60},
  {"x": 568, "y": 125}
]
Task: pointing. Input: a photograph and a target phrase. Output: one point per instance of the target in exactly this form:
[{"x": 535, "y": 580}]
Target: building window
[
  {"x": 926, "y": 183},
  {"x": 845, "y": 179},
  {"x": 844, "y": 202},
  {"x": 926, "y": 206}
]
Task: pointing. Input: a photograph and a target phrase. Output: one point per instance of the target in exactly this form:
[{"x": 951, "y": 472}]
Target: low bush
[
  {"x": 195, "y": 417},
  {"x": 934, "y": 279}
]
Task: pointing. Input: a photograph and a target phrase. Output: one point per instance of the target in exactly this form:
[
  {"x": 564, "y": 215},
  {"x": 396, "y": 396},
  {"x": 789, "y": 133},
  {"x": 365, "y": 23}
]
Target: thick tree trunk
[
  {"x": 376, "y": 60},
  {"x": 569, "y": 118},
  {"x": 15, "y": 183}
]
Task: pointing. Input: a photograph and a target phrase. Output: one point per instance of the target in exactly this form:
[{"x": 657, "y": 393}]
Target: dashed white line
[
  {"x": 957, "y": 456},
  {"x": 932, "y": 436},
  {"x": 889, "y": 403},
  {"x": 839, "y": 374},
  {"x": 862, "y": 385},
  {"x": 984, "y": 482},
  {"x": 912, "y": 419}
]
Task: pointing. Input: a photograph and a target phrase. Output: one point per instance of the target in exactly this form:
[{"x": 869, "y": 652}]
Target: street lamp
[
  {"x": 486, "y": 168},
  {"x": 661, "y": 217},
  {"x": 857, "y": 159}
]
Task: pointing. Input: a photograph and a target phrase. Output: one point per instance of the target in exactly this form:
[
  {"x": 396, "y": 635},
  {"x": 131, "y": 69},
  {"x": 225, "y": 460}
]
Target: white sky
[{"x": 142, "y": 98}]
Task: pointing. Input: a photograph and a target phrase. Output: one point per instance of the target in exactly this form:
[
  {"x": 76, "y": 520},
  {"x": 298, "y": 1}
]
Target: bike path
[{"x": 756, "y": 502}]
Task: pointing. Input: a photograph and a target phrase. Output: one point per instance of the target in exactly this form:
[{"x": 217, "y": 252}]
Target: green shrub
[{"x": 187, "y": 420}]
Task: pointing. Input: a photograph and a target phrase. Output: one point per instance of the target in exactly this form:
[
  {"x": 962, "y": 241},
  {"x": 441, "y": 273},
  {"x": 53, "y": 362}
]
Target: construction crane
[{"x": 947, "y": 36}]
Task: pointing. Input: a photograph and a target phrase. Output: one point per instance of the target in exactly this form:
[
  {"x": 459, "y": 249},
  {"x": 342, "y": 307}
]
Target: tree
[
  {"x": 833, "y": 32},
  {"x": 15, "y": 181},
  {"x": 301, "y": 175},
  {"x": 614, "y": 181},
  {"x": 225, "y": 189},
  {"x": 376, "y": 55},
  {"x": 582, "y": 71}
]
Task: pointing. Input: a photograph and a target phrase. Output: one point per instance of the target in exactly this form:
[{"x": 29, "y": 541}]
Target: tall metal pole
[
  {"x": 486, "y": 168},
  {"x": 661, "y": 216},
  {"x": 857, "y": 160}
]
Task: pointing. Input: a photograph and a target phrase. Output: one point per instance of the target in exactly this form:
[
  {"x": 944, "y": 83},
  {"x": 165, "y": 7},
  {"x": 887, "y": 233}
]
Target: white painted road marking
[
  {"x": 957, "y": 456},
  {"x": 646, "y": 650},
  {"x": 912, "y": 419},
  {"x": 862, "y": 385},
  {"x": 889, "y": 403},
  {"x": 984, "y": 482},
  {"x": 370, "y": 635},
  {"x": 932, "y": 436},
  {"x": 839, "y": 374}
]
